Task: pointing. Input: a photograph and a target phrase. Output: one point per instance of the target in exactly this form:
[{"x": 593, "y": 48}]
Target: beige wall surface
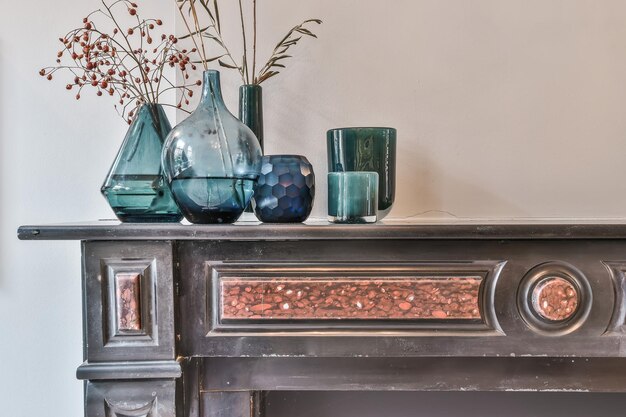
[
  {"x": 54, "y": 155},
  {"x": 504, "y": 109}
]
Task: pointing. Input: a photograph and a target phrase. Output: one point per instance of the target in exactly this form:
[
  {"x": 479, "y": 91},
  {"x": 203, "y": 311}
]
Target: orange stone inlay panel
[
  {"x": 406, "y": 298},
  {"x": 128, "y": 301},
  {"x": 555, "y": 299}
]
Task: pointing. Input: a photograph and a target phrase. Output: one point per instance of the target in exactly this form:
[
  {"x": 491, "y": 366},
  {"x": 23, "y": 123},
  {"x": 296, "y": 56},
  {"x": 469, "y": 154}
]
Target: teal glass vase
[
  {"x": 212, "y": 160},
  {"x": 372, "y": 149},
  {"x": 353, "y": 197},
  {"x": 135, "y": 187}
]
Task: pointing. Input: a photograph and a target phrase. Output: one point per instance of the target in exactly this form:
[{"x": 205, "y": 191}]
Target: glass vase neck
[
  {"x": 154, "y": 110},
  {"x": 155, "y": 113},
  {"x": 211, "y": 87}
]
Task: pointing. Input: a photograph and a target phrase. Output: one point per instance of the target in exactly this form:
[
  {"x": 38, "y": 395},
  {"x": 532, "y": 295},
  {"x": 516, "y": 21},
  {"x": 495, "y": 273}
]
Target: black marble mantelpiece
[{"x": 201, "y": 321}]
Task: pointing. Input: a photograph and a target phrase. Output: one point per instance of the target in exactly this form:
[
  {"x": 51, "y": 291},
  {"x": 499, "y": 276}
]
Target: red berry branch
[{"x": 127, "y": 62}]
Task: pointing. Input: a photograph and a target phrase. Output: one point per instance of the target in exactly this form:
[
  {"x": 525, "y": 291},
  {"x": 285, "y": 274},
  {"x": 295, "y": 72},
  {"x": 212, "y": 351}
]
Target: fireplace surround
[{"x": 203, "y": 321}]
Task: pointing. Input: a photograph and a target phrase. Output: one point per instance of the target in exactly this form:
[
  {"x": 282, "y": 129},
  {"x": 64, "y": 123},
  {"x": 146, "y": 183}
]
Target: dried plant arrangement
[
  {"x": 202, "y": 21},
  {"x": 125, "y": 61}
]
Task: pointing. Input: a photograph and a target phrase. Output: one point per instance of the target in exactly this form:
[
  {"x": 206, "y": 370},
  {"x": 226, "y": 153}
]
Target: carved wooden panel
[
  {"x": 617, "y": 324},
  {"x": 123, "y": 409},
  {"x": 452, "y": 296},
  {"x": 149, "y": 398},
  {"x": 402, "y": 298},
  {"x": 230, "y": 404},
  {"x": 129, "y": 301}
]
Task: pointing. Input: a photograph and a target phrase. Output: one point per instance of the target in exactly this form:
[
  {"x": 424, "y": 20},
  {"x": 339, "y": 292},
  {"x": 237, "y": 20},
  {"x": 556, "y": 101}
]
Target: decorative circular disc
[{"x": 555, "y": 299}]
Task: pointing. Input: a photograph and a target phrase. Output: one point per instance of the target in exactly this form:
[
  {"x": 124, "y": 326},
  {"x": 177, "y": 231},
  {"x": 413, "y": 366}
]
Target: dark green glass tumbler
[{"x": 366, "y": 149}]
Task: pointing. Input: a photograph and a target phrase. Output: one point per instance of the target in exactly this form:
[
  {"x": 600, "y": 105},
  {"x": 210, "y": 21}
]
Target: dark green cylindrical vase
[
  {"x": 251, "y": 114},
  {"x": 135, "y": 187},
  {"x": 251, "y": 109},
  {"x": 366, "y": 149}
]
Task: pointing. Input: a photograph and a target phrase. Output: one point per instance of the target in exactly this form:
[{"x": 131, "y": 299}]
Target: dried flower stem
[
  {"x": 245, "y": 46},
  {"x": 213, "y": 32},
  {"x": 192, "y": 36},
  {"x": 114, "y": 66},
  {"x": 254, "y": 40},
  {"x": 130, "y": 48},
  {"x": 197, "y": 25}
]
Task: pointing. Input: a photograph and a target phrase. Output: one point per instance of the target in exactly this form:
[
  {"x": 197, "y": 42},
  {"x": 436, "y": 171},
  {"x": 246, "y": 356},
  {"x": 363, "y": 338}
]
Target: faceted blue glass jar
[
  {"x": 135, "y": 187},
  {"x": 285, "y": 190},
  {"x": 212, "y": 160}
]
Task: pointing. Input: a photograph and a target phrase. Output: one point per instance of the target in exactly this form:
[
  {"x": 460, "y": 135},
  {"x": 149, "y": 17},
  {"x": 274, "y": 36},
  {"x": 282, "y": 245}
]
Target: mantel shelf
[{"x": 322, "y": 230}]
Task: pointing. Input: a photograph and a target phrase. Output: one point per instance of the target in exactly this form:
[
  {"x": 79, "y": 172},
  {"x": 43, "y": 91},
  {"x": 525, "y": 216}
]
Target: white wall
[
  {"x": 505, "y": 109},
  {"x": 55, "y": 153}
]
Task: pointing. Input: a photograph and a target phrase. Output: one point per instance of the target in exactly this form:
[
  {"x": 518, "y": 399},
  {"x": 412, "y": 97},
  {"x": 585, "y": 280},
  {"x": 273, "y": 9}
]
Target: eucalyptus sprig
[{"x": 194, "y": 13}]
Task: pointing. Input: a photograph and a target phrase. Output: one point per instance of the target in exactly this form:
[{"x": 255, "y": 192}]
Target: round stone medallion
[{"x": 555, "y": 299}]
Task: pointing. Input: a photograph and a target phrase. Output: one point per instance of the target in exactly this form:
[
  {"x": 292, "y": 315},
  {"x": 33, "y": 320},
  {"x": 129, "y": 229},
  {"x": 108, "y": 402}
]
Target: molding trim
[{"x": 483, "y": 323}]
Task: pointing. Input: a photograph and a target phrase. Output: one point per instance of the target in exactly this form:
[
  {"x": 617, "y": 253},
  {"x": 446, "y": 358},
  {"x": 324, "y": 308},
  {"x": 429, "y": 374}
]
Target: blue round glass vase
[
  {"x": 285, "y": 190},
  {"x": 211, "y": 160}
]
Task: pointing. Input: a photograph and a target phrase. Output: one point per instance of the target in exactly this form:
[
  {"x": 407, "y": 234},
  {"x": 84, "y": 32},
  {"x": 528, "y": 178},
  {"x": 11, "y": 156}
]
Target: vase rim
[
  {"x": 149, "y": 105},
  {"x": 285, "y": 156},
  {"x": 338, "y": 129},
  {"x": 354, "y": 174}
]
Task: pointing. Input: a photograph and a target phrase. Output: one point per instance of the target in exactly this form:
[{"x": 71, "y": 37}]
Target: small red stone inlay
[
  {"x": 555, "y": 299},
  {"x": 128, "y": 301},
  {"x": 407, "y": 298}
]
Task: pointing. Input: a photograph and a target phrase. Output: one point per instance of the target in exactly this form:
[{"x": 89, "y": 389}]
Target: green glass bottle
[
  {"x": 251, "y": 109},
  {"x": 251, "y": 114}
]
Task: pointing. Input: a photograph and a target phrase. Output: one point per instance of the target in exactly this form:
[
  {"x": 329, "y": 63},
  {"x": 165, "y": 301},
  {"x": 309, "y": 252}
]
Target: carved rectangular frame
[
  {"x": 146, "y": 333},
  {"x": 617, "y": 325},
  {"x": 487, "y": 271},
  {"x": 147, "y": 266}
]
